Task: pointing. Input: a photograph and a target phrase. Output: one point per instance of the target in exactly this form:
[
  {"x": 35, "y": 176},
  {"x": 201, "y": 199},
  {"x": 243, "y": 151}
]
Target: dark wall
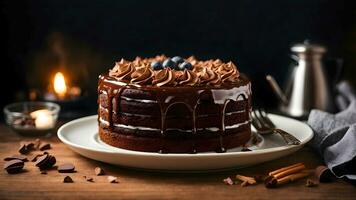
[{"x": 256, "y": 35}]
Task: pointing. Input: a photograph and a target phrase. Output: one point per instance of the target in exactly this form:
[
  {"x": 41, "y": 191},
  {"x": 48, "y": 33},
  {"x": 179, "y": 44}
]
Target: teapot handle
[{"x": 294, "y": 58}]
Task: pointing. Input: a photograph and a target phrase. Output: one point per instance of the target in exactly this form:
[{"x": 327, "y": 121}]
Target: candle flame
[{"x": 60, "y": 84}]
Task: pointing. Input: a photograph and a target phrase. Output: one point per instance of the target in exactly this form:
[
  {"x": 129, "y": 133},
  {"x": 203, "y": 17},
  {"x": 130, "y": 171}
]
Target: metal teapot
[{"x": 308, "y": 86}]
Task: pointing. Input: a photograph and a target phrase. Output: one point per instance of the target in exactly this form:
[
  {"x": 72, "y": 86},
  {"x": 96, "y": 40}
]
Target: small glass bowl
[{"x": 32, "y": 118}]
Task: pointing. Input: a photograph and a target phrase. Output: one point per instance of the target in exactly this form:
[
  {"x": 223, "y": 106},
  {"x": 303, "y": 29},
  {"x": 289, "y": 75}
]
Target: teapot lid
[{"x": 306, "y": 46}]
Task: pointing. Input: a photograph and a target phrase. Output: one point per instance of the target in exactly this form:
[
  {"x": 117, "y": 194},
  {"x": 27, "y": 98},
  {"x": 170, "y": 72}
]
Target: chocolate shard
[
  {"x": 324, "y": 174},
  {"x": 89, "y": 179},
  {"x": 68, "y": 179},
  {"x": 23, "y": 149},
  {"x": 30, "y": 146},
  {"x": 45, "y": 146},
  {"x": 99, "y": 171},
  {"x": 18, "y": 157},
  {"x": 66, "y": 168},
  {"x": 14, "y": 166}
]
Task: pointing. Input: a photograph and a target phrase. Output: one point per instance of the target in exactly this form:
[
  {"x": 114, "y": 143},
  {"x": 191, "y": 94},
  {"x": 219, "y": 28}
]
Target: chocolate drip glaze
[{"x": 191, "y": 97}]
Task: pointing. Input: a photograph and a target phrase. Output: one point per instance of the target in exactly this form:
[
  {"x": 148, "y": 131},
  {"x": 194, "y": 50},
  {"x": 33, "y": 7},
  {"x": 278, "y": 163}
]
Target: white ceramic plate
[{"x": 81, "y": 135}]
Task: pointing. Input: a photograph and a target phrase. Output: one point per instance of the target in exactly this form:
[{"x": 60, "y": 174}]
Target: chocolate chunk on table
[
  {"x": 45, "y": 162},
  {"x": 14, "y": 166},
  {"x": 68, "y": 179},
  {"x": 66, "y": 168},
  {"x": 16, "y": 157},
  {"x": 45, "y": 146}
]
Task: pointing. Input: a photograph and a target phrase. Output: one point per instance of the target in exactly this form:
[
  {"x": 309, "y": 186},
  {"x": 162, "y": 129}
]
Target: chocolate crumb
[
  {"x": 112, "y": 179},
  {"x": 228, "y": 181},
  {"x": 89, "y": 179},
  {"x": 99, "y": 171},
  {"x": 68, "y": 179},
  {"x": 310, "y": 183},
  {"x": 45, "y": 146}
]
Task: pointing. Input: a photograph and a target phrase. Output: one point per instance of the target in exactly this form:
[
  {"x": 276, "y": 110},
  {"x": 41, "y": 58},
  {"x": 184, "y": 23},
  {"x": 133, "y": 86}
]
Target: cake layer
[
  {"x": 172, "y": 131},
  {"x": 142, "y": 104},
  {"x": 175, "y": 145},
  {"x": 183, "y": 122}
]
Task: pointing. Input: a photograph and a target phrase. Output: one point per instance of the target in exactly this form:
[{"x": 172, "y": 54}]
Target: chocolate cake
[{"x": 174, "y": 105}]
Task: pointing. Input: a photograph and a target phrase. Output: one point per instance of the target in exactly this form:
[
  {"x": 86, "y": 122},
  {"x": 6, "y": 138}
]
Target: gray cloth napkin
[{"x": 335, "y": 134}]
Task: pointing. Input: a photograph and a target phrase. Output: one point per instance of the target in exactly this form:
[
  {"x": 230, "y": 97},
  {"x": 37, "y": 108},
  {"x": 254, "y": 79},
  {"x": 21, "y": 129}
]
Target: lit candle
[
  {"x": 59, "y": 84},
  {"x": 43, "y": 119}
]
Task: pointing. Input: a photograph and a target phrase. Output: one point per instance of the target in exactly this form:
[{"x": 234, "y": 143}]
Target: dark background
[{"x": 84, "y": 38}]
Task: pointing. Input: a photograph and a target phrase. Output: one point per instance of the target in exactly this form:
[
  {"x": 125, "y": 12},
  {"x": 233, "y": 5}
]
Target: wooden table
[{"x": 147, "y": 185}]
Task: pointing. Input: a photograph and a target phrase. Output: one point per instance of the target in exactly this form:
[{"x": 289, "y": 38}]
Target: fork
[{"x": 265, "y": 126}]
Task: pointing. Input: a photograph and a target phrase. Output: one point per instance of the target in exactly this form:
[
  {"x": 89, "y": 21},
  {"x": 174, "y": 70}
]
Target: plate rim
[
  {"x": 61, "y": 130},
  {"x": 149, "y": 154}
]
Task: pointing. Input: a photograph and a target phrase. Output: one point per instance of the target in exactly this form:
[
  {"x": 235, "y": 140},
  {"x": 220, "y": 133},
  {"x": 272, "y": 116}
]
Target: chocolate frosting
[
  {"x": 164, "y": 77},
  {"x": 122, "y": 70},
  {"x": 188, "y": 77},
  {"x": 228, "y": 72},
  {"x": 142, "y": 75},
  {"x": 208, "y": 76},
  {"x": 210, "y": 72}
]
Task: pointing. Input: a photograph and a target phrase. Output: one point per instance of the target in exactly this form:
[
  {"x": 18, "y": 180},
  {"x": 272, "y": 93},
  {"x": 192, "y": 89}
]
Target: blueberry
[
  {"x": 156, "y": 65},
  {"x": 177, "y": 59},
  {"x": 185, "y": 65},
  {"x": 169, "y": 63}
]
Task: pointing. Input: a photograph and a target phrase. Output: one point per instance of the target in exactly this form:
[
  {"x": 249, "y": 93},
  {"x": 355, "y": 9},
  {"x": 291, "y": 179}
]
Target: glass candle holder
[{"x": 32, "y": 118}]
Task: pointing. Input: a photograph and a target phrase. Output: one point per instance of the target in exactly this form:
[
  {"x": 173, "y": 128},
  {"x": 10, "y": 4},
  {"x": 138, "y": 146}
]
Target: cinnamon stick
[
  {"x": 284, "y": 169},
  {"x": 291, "y": 178},
  {"x": 289, "y": 171}
]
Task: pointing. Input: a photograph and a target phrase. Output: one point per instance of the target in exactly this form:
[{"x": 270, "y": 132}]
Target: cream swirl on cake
[
  {"x": 182, "y": 72},
  {"x": 164, "y": 77},
  {"x": 187, "y": 77},
  {"x": 122, "y": 70},
  {"x": 209, "y": 76},
  {"x": 142, "y": 75}
]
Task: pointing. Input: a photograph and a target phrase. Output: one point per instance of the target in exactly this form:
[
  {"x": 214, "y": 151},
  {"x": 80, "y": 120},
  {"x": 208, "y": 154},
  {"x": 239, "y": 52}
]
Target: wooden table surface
[{"x": 148, "y": 185}]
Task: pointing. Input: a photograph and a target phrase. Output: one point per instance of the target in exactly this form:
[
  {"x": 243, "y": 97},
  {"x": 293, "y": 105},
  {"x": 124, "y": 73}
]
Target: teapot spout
[{"x": 277, "y": 90}]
